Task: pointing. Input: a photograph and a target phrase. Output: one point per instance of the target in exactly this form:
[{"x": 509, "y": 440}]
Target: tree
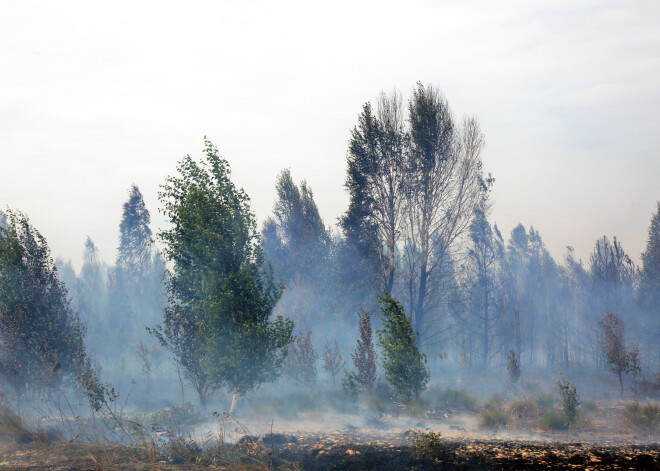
[
  {"x": 376, "y": 184},
  {"x": 333, "y": 362},
  {"x": 405, "y": 367},
  {"x": 92, "y": 302},
  {"x": 570, "y": 400},
  {"x": 513, "y": 367},
  {"x": 649, "y": 290},
  {"x": 364, "y": 356},
  {"x": 619, "y": 359},
  {"x": 296, "y": 235},
  {"x": 42, "y": 345},
  {"x": 134, "y": 251},
  {"x": 221, "y": 292},
  {"x": 444, "y": 184},
  {"x": 301, "y": 360},
  {"x": 136, "y": 275},
  {"x": 613, "y": 274},
  {"x": 485, "y": 251}
]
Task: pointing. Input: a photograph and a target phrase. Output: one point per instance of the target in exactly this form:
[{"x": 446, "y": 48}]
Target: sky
[{"x": 95, "y": 96}]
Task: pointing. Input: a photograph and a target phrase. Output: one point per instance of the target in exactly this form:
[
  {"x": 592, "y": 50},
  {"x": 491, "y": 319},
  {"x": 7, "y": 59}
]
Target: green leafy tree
[
  {"x": 221, "y": 293},
  {"x": 404, "y": 365},
  {"x": 42, "y": 347}
]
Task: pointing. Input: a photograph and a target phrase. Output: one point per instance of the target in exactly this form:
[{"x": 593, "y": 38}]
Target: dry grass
[{"x": 642, "y": 416}]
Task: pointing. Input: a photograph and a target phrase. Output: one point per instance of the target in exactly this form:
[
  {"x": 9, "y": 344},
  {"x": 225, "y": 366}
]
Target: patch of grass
[
  {"x": 494, "y": 402},
  {"x": 287, "y": 405},
  {"x": 427, "y": 445},
  {"x": 545, "y": 401},
  {"x": 181, "y": 414},
  {"x": 417, "y": 407},
  {"x": 643, "y": 416},
  {"x": 553, "y": 420},
  {"x": 495, "y": 418},
  {"x": 457, "y": 399},
  {"x": 525, "y": 408}
]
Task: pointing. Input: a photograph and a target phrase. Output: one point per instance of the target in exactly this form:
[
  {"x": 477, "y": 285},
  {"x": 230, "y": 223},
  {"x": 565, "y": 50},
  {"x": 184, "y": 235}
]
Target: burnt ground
[{"x": 340, "y": 451}]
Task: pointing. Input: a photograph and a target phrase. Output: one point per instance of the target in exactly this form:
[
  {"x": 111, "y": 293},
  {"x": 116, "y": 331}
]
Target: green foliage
[
  {"x": 296, "y": 239},
  {"x": 427, "y": 445},
  {"x": 649, "y": 289},
  {"x": 42, "y": 340},
  {"x": 570, "y": 400},
  {"x": 513, "y": 367},
  {"x": 350, "y": 385},
  {"x": 405, "y": 367},
  {"x": 221, "y": 293},
  {"x": 645, "y": 417},
  {"x": 364, "y": 356}
]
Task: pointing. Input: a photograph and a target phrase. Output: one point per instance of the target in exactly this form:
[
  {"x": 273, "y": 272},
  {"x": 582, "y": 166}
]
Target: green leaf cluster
[
  {"x": 221, "y": 292},
  {"x": 404, "y": 365}
]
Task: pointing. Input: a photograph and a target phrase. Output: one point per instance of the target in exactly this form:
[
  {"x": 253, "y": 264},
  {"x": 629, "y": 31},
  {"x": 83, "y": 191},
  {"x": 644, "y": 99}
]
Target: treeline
[
  {"x": 418, "y": 226},
  {"x": 234, "y": 304}
]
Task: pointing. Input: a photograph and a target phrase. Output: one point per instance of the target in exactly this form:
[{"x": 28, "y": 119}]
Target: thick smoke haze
[{"x": 96, "y": 97}]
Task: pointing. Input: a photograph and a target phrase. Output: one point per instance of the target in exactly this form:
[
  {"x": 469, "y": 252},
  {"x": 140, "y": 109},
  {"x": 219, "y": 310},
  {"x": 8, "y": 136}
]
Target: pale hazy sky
[{"x": 95, "y": 96}]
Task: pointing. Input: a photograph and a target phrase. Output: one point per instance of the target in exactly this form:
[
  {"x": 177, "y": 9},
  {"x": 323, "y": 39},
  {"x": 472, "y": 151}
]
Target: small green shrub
[
  {"x": 570, "y": 400},
  {"x": 642, "y": 416},
  {"x": 427, "y": 445},
  {"x": 456, "y": 399},
  {"x": 553, "y": 420}
]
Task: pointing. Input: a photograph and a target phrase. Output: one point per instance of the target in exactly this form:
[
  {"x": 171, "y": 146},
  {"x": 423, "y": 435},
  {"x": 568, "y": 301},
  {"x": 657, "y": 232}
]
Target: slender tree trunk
[
  {"x": 178, "y": 372},
  {"x": 202, "y": 398},
  {"x": 486, "y": 328},
  {"x": 419, "y": 311},
  {"x": 234, "y": 402}
]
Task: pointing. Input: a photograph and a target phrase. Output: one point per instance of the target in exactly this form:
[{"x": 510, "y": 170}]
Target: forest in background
[{"x": 417, "y": 230}]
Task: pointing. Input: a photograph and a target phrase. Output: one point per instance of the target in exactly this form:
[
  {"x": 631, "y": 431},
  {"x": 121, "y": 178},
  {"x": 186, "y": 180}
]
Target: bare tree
[
  {"x": 333, "y": 362},
  {"x": 444, "y": 184}
]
